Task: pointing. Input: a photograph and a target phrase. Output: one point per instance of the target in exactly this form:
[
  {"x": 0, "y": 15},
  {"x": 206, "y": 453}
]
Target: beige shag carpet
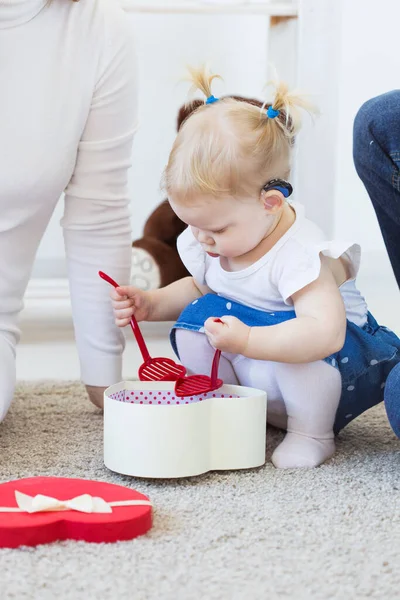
[{"x": 327, "y": 533}]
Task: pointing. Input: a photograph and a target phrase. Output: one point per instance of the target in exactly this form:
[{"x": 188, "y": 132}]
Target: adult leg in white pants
[
  {"x": 303, "y": 399},
  {"x": 21, "y": 228},
  {"x": 7, "y": 374}
]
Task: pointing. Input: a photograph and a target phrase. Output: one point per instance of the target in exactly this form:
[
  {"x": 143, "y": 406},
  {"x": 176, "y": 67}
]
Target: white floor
[{"x": 47, "y": 349}]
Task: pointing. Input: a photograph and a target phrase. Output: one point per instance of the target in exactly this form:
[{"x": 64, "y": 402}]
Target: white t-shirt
[
  {"x": 293, "y": 263},
  {"x": 68, "y": 113}
]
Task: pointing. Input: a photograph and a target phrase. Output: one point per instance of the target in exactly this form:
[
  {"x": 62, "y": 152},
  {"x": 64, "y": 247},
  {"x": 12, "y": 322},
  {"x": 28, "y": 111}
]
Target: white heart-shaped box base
[{"x": 149, "y": 432}]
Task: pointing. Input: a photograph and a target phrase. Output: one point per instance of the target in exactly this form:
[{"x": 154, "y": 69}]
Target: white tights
[{"x": 302, "y": 398}]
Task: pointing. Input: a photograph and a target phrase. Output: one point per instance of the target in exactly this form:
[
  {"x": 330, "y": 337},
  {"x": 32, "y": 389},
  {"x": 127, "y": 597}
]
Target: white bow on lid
[{"x": 85, "y": 504}]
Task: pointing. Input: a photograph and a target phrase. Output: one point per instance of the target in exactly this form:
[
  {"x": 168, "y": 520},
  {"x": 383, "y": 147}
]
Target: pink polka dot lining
[{"x": 168, "y": 397}]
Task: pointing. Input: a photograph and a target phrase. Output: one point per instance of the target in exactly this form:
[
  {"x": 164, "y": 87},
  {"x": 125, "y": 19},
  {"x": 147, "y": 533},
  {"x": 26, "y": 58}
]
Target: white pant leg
[
  {"x": 21, "y": 228},
  {"x": 196, "y": 354},
  {"x": 7, "y": 375}
]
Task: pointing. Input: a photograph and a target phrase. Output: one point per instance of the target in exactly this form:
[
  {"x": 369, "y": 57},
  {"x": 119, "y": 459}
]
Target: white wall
[
  {"x": 318, "y": 74},
  {"x": 369, "y": 66},
  {"x": 347, "y": 54}
]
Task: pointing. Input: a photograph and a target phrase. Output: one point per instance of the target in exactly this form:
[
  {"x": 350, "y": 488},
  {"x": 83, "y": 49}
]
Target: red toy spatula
[
  {"x": 153, "y": 369},
  {"x": 200, "y": 384}
]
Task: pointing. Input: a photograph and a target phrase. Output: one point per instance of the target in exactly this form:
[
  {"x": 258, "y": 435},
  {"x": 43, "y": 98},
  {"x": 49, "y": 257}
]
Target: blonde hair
[{"x": 231, "y": 147}]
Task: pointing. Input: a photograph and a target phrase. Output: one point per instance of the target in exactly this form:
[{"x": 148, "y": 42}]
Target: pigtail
[
  {"x": 201, "y": 79},
  {"x": 279, "y": 121},
  {"x": 285, "y": 109}
]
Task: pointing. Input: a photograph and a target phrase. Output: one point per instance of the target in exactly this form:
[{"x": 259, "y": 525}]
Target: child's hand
[
  {"x": 229, "y": 336},
  {"x": 128, "y": 301}
]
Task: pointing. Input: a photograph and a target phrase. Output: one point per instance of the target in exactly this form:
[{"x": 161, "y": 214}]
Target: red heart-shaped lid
[{"x": 30, "y": 529}]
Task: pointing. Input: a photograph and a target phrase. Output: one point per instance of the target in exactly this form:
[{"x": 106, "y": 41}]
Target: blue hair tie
[
  {"x": 272, "y": 113},
  {"x": 211, "y": 100}
]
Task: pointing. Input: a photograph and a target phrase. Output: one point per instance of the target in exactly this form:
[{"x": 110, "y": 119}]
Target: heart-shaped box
[
  {"x": 128, "y": 515},
  {"x": 150, "y": 432}
]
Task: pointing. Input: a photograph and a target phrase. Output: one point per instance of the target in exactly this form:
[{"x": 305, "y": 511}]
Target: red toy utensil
[
  {"x": 200, "y": 384},
  {"x": 153, "y": 369}
]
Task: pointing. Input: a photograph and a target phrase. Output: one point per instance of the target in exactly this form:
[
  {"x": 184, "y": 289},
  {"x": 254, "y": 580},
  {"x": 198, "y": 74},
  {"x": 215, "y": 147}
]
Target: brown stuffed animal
[{"x": 155, "y": 259}]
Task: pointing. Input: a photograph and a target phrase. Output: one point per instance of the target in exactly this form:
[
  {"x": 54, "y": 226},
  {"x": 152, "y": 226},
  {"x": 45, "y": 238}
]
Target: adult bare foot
[{"x": 96, "y": 395}]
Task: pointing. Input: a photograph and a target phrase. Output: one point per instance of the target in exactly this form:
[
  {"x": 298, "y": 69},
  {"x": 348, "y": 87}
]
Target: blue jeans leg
[
  {"x": 376, "y": 151},
  {"x": 392, "y": 399}
]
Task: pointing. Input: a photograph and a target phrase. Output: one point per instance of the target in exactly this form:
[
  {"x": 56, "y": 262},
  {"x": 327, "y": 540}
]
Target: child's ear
[{"x": 273, "y": 200}]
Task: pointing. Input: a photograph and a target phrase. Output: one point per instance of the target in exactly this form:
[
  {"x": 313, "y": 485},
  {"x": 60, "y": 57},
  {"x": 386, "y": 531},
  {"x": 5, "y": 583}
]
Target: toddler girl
[{"x": 293, "y": 321}]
